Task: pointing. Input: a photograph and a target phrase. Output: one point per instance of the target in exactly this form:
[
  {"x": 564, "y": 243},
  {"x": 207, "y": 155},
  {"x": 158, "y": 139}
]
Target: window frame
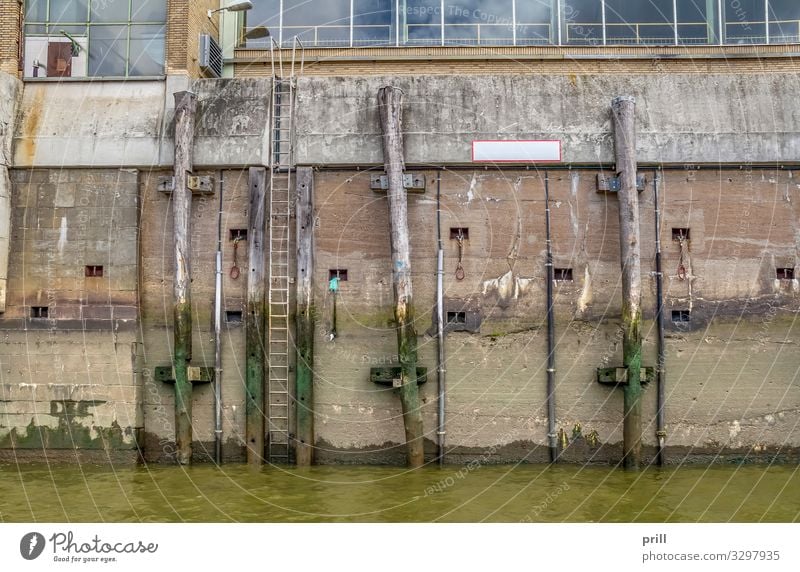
[{"x": 50, "y": 31}]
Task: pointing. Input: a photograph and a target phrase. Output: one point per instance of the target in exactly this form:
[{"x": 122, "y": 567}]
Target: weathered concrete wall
[
  {"x": 681, "y": 118},
  {"x": 69, "y": 379},
  {"x": 732, "y": 371},
  {"x": 113, "y": 124},
  {"x": 232, "y": 122},
  {"x": 90, "y": 124},
  {"x": 10, "y": 95},
  {"x": 156, "y": 315}
]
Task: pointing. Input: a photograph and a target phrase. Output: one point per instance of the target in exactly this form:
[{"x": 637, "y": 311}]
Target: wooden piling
[
  {"x": 304, "y": 377},
  {"x": 623, "y": 116},
  {"x": 390, "y": 101},
  {"x": 185, "y": 108},
  {"x": 255, "y": 331}
]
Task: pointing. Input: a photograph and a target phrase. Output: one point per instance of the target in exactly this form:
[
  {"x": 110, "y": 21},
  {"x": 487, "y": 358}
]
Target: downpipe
[
  {"x": 661, "y": 368},
  {"x": 552, "y": 437},
  {"x": 218, "y": 331},
  {"x": 440, "y": 366}
]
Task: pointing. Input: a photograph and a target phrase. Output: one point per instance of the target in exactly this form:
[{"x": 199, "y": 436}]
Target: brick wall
[
  {"x": 186, "y": 20},
  {"x": 10, "y": 11}
]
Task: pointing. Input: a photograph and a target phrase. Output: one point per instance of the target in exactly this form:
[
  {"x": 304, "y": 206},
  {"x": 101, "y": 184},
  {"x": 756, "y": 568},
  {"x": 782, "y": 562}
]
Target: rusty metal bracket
[
  {"x": 610, "y": 184},
  {"x": 413, "y": 182},
  {"x": 619, "y": 375},
  {"x": 391, "y": 375},
  {"x": 198, "y": 185},
  {"x": 197, "y": 375}
]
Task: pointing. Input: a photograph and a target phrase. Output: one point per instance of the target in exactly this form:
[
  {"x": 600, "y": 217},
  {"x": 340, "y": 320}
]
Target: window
[
  {"x": 374, "y": 22},
  {"x": 582, "y": 22},
  {"x": 536, "y": 22},
  {"x": 421, "y": 22},
  {"x": 265, "y": 13},
  {"x": 95, "y": 38},
  {"x": 645, "y": 22},
  {"x": 478, "y": 22},
  {"x": 784, "y": 21},
  {"x": 360, "y": 23},
  {"x": 785, "y": 273},
  {"x": 744, "y": 21},
  {"x": 340, "y": 273},
  {"x": 317, "y": 22},
  {"x": 697, "y": 22},
  {"x": 93, "y": 271}
]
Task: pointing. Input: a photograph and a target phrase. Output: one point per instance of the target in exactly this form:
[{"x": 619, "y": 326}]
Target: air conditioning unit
[{"x": 210, "y": 56}]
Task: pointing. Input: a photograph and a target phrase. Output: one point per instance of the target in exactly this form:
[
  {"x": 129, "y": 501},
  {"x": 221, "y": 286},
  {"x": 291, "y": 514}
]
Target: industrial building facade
[{"x": 509, "y": 169}]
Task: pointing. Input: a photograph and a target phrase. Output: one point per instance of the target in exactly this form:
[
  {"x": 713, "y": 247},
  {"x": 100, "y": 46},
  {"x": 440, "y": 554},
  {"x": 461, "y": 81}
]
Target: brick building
[{"x": 86, "y": 241}]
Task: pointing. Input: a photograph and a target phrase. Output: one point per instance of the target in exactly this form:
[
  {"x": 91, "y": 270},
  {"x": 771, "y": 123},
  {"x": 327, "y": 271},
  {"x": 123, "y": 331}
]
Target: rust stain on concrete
[{"x": 30, "y": 128}]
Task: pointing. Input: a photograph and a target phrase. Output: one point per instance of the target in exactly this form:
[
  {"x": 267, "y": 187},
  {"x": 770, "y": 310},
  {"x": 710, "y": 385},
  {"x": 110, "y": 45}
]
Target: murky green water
[{"x": 508, "y": 494}]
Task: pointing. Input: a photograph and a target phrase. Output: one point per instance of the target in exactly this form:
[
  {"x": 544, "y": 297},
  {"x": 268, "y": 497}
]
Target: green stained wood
[
  {"x": 390, "y": 101},
  {"x": 185, "y": 108},
  {"x": 623, "y": 117},
  {"x": 255, "y": 322},
  {"x": 305, "y": 318}
]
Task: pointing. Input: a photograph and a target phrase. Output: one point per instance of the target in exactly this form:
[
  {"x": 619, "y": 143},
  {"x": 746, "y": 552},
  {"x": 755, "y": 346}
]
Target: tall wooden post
[
  {"x": 304, "y": 378},
  {"x": 390, "y": 102},
  {"x": 254, "y": 324},
  {"x": 623, "y": 114},
  {"x": 185, "y": 108}
]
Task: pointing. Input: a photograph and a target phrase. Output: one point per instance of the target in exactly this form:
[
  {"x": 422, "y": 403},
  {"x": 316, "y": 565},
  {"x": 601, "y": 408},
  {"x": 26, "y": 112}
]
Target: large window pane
[
  {"x": 149, "y": 10},
  {"x": 146, "y": 50},
  {"x": 69, "y": 10},
  {"x": 422, "y": 22},
  {"x": 374, "y": 22},
  {"x": 744, "y": 22},
  {"x": 35, "y": 10},
  {"x": 535, "y": 22},
  {"x": 317, "y": 22},
  {"x": 110, "y": 11},
  {"x": 264, "y": 13},
  {"x": 643, "y": 22},
  {"x": 784, "y": 18},
  {"x": 694, "y": 24},
  {"x": 107, "y": 50},
  {"x": 316, "y": 12},
  {"x": 479, "y": 21},
  {"x": 582, "y": 22}
]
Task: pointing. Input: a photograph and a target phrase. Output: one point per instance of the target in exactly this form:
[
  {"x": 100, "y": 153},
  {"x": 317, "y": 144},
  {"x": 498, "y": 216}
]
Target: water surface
[{"x": 237, "y": 493}]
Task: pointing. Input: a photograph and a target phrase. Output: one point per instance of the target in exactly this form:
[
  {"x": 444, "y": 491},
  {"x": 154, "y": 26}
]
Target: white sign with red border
[{"x": 516, "y": 151}]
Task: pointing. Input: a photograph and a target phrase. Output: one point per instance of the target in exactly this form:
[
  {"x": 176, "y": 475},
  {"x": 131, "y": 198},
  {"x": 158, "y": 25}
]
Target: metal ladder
[{"x": 281, "y": 203}]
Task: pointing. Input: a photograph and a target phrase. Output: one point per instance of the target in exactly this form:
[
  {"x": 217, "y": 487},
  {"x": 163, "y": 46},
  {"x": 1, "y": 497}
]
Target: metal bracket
[
  {"x": 414, "y": 182},
  {"x": 619, "y": 375},
  {"x": 198, "y": 185},
  {"x": 390, "y": 375},
  {"x": 609, "y": 184},
  {"x": 197, "y": 375}
]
